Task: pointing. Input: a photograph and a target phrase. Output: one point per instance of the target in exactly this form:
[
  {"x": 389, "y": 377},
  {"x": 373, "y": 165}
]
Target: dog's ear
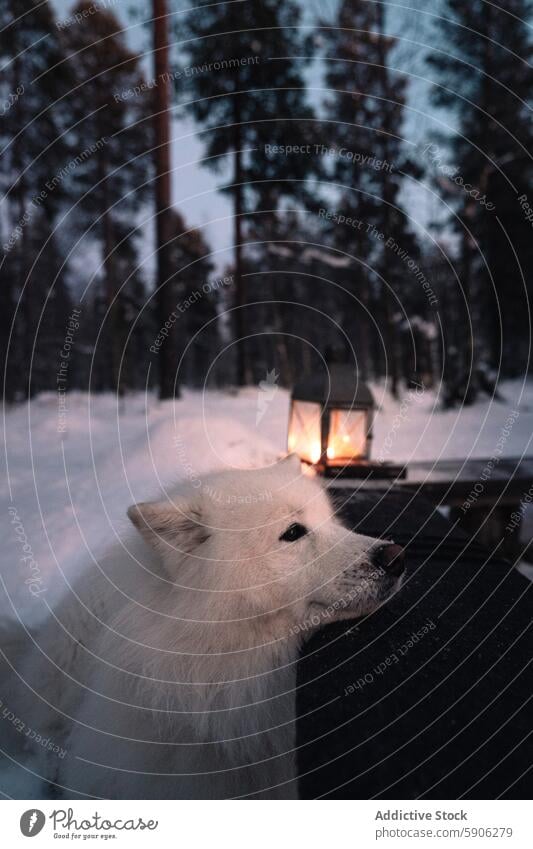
[
  {"x": 168, "y": 525},
  {"x": 292, "y": 462}
]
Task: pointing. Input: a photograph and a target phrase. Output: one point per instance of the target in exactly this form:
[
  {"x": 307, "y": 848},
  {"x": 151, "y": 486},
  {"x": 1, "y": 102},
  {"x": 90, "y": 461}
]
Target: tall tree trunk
[
  {"x": 168, "y": 353},
  {"x": 239, "y": 323},
  {"x": 20, "y": 192},
  {"x": 108, "y": 265},
  {"x": 111, "y": 291},
  {"x": 357, "y": 321},
  {"x": 497, "y": 311},
  {"x": 363, "y": 330},
  {"x": 466, "y": 342},
  {"x": 388, "y": 198},
  {"x": 27, "y": 285}
]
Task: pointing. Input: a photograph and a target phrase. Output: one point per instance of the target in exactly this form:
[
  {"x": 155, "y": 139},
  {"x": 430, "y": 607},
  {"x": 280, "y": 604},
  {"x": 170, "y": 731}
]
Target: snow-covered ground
[{"x": 65, "y": 495}]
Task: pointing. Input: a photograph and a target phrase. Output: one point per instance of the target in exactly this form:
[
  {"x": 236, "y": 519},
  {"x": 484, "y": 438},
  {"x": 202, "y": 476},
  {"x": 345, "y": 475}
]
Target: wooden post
[
  {"x": 167, "y": 356},
  {"x": 238, "y": 324},
  {"x": 391, "y": 338}
]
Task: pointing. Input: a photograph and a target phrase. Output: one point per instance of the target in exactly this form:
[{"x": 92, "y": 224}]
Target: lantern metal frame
[{"x": 341, "y": 390}]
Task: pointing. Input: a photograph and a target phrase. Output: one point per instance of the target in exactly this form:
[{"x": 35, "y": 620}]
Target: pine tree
[
  {"x": 196, "y": 327},
  {"x": 32, "y": 85},
  {"x": 33, "y": 151},
  {"x": 135, "y": 321},
  {"x": 52, "y": 309},
  {"x": 365, "y": 113},
  {"x": 300, "y": 311},
  {"x": 246, "y": 91},
  {"x": 111, "y": 138},
  {"x": 483, "y": 66},
  {"x": 168, "y": 355},
  {"x": 11, "y": 331}
]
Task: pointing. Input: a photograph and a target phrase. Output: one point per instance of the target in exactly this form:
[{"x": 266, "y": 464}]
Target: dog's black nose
[{"x": 389, "y": 557}]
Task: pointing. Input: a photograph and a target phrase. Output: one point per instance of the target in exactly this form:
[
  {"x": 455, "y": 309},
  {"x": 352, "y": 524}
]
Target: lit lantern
[{"x": 330, "y": 423}]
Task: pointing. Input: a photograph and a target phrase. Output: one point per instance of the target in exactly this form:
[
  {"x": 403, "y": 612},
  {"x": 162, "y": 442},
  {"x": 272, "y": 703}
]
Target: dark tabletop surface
[
  {"x": 505, "y": 480},
  {"x": 505, "y": 468},
  {"x": 430, "y": 696}
]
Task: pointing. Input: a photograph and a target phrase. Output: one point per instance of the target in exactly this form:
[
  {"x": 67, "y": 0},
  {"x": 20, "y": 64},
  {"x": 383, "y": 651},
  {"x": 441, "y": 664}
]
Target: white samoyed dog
[{"x": 169, "y": 671}]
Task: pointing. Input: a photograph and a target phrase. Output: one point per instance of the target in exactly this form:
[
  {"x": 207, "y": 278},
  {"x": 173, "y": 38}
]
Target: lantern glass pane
[
  {"x": 347, "y": 434},
  {"x": 304, "y": 430}
]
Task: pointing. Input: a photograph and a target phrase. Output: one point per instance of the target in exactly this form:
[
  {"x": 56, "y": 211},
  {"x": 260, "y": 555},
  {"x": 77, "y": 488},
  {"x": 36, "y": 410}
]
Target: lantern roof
[{"x": 340, "y": 386}]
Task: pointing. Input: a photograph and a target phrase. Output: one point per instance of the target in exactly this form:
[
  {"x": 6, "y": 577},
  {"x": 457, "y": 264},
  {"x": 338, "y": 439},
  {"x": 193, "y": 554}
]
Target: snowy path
[{"x": 70, "y": 495}]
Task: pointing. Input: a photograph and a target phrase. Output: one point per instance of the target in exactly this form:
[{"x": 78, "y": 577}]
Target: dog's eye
[{"x": 293, "y": 532}]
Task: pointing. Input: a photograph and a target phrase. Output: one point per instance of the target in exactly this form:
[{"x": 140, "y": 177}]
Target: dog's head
[{"x": 268, "y": 543}]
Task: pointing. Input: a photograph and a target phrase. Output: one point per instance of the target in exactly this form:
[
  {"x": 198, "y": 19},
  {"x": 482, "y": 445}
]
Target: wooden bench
[
  {"x": 430, "y": 696},
  {"x": 485, "y": 497}
]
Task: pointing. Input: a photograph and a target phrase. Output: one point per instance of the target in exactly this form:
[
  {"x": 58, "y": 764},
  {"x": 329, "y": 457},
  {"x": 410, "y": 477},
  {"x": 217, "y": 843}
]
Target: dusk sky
[{"x": 195, "y": 187}]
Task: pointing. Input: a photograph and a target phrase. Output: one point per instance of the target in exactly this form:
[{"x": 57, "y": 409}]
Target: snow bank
[{"x": 65, "y": 494}]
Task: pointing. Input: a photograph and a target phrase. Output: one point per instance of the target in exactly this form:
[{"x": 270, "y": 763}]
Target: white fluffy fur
[{"x": 173, "y": 666}]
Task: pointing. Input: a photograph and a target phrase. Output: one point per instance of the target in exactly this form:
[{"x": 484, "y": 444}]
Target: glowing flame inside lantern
[
  {"x": 315, "y": 452},
  {"x": 330, "y": 421},
  {"x": 346, "y": 437},
  {"x": 304, "y": 430},
  {"x": 347, "y": 434}
]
